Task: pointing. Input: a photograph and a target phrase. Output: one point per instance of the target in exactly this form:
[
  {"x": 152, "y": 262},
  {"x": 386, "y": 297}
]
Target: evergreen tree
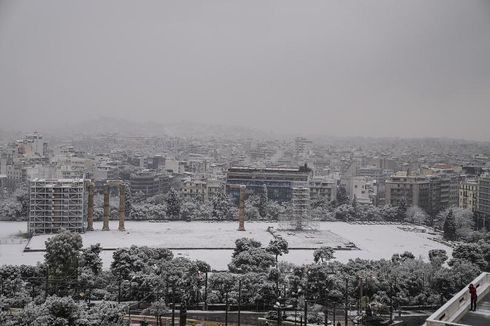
[
  {"x": 173, "y": 204},
  {"x": 449, "y": 227},
  {"x": 401, "y": 212},
  {"x": 263, "y": 202},
  {"x": 342, "y": 197},
  {"x": 90, "y": 259},
  {"x": 221, "y": 206}
]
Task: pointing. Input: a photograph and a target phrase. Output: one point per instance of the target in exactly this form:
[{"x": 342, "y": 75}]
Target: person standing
[{"x": 473, "y": 297}]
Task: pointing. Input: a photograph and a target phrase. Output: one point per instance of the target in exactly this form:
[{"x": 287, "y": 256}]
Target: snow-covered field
[{"x": 374, "y": 241}]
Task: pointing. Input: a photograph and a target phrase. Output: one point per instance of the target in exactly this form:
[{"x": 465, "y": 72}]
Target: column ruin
[
  {"x": 241, "y": 214},
  {"x": 107, "y": 209},
  {"x": 90, "y": 210},
  {"x": 122, "y": 206}
]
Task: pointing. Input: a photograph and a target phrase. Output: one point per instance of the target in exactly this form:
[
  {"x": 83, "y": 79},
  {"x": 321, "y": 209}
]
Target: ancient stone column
[
  {"x": 107, "y": 209},
  {"x": 241, "y": 213},
  {"x": 122, "y": 205},
  {"x": 90, "y": 211}
]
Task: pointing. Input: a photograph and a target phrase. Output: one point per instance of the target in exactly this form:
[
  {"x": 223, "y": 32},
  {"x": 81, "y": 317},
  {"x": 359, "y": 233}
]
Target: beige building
[
  {"x": 468, "y": 195},
  {"x": 414, "y": 190},
  {"x": 321, "y": 188},
  {"x": 201, "y": 189}
]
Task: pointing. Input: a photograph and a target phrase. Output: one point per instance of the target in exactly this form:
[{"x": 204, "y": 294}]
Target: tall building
[
  {"x": 56, "y": 204},
  {"x": 484, "y": 199},
  {"x": 468, "y": 195},
  {"x": 432, "y": 193},
  {"x": 278, "y": 181},
  {"x": 361, "y": 189},
  {"x": 414, "y": 190}
]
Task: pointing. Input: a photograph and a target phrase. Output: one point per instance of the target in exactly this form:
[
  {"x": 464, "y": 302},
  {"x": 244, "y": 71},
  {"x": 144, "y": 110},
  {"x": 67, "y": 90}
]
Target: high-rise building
[
  {"x": 484, "y": 199},
  {"x": 432, "y": 193},
  {"x": 414, "y": 190},
  {"x": 56, "y": 204},
  {"x": 468, "y": 195}
]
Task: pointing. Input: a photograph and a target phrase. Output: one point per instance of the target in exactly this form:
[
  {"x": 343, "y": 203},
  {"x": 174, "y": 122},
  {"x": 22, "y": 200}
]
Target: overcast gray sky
[{"x": 369, "y": 68}]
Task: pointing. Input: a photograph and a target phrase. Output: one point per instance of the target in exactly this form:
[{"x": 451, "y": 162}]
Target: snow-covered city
[{"x": 243, "y": 163}]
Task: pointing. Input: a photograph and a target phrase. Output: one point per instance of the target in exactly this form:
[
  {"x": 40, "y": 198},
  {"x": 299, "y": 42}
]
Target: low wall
[{"x": 459, "y": 305}]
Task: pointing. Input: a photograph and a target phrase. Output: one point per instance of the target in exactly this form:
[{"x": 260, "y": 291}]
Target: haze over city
[
  {"x": 345, "y": 68},
  {"x": 244, "y": 163}
]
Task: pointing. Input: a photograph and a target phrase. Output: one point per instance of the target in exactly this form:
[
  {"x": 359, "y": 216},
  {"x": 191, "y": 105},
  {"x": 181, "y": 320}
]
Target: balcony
[{"x": 456, "y": 311}]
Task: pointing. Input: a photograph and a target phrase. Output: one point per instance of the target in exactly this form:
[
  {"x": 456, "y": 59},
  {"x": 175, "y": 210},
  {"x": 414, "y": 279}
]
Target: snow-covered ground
[
  {"x": 170, "y": 235},
  {"x": 374, "y": 241}
]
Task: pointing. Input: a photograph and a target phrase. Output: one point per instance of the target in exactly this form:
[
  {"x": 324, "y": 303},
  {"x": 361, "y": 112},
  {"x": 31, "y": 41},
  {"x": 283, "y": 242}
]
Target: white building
[{"x": 361, "y": 189}]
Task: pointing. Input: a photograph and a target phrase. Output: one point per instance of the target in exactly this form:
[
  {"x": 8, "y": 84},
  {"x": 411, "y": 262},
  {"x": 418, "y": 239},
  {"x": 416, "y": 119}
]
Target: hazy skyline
[{"x": 347, "y": 68}]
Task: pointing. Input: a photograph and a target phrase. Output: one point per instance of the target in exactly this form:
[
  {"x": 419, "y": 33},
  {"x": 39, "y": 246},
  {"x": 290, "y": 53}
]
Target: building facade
[
  {"x": 484, "y": 200},
  {"x": 468, "y": 195},
  {"x": 56, "y": 204},
  {"x": 321, "y": 188},
  {"x": 414, "y": 190},
  {"x": 278, "y": 181}
]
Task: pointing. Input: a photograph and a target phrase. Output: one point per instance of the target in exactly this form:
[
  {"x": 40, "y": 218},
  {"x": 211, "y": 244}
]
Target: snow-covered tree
[
  {"x": 449, "y": 227},
  {"x": 62, "y": 258},
  {"x": 220, "y": 206},
  {"x": 416, "y": 215},
  {"x": 278, "y": 247},
  {"x": 189, "y": 210},
  {"x": 263, "y": 203},
  {"x": 323, "y": 254},
  {"x": 173, "y": 202},
  {"x": 463, "y": 221},
  {"x": 158, "y": 309},
  {"x": 249, "y": 256},
  {"x": 90, "y": 258},
  {"x": 437, "y": 256},
  {"x": 342, "y": 196}
]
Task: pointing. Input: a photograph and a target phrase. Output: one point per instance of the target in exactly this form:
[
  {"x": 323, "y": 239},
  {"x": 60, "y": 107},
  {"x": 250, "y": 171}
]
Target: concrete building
[
  {"x": 444, "y": 191},
  {"x": 432, "y": 193},
  {"x": 201, "y": 189},
  {"x": 414, "y": 190},
  {"x": 468, "y": 195},
  {"x": 279, "y": 181},
  {"x": 194, "y": 189},
  {"x": 484, "y": 200},
  {"x": 322, "y": 188},
  {"x": 149, "y": 183},
  {"x": 56, "y": 204},
  {"x": 362, "y": 190},
  {"x": 174, "y": 166}
]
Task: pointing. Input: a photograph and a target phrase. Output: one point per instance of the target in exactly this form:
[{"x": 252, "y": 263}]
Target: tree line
[{"x": 60, "y": 290}]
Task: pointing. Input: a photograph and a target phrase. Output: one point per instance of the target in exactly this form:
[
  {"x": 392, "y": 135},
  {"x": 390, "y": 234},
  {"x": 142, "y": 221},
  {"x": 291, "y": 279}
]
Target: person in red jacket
[{"x": 473, "y": 297}]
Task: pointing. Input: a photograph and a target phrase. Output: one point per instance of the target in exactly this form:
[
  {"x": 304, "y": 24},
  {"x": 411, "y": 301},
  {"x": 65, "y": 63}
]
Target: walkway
[{"x": 479, "y": 317}]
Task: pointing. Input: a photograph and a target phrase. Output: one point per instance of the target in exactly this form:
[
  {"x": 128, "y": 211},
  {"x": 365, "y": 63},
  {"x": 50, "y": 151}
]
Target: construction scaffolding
[
  {"x": 299, "y": 217},
  {"x": 56, "y": 204}
]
